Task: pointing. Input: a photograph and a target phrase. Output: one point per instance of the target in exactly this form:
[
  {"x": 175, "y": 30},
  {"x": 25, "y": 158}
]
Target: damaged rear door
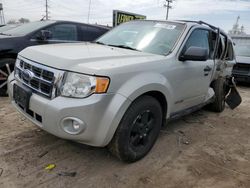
[{"x": 225, "y": 60}]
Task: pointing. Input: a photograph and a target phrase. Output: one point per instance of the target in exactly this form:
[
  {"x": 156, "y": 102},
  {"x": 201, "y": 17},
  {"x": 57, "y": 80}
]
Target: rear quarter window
[{"x": 90, "y": 33}]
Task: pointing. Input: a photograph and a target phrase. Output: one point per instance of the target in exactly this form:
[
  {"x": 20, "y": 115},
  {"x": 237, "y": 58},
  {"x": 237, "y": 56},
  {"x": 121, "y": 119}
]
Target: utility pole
[
  {"x": 89, "y": 10},
  {"x": 47, "y": 9},
  {"x": 168, "y": 6},
  {"x": 2, "y": 20}
]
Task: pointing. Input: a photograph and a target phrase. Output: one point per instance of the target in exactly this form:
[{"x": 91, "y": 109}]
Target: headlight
[{"x": 80, "y": 85}]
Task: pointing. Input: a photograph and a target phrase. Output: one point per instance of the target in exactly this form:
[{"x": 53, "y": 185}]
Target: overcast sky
[{"x": 221, "y": 13}]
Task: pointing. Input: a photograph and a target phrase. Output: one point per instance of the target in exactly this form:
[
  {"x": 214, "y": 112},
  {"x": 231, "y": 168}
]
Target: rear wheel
[
  {"x": 138, "y": 130},
  {"x": 219, "y": 87},
  {"x": 6, "y": 67}
]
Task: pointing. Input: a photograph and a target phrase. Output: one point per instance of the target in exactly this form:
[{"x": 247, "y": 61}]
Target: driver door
[
  {"x": 63, "y": 33},
  {"x": 193, "y": 77}
]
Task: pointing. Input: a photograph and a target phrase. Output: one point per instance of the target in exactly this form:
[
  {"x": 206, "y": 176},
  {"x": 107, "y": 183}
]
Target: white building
[{"x": 238, "y": 34}]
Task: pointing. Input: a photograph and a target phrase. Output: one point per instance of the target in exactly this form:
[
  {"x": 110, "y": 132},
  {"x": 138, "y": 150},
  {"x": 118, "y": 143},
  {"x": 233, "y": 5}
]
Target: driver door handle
[{"x": 207, "y": 69}]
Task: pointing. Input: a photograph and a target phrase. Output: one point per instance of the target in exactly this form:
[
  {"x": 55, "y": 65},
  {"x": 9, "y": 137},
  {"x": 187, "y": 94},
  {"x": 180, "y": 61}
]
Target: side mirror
[
  {"x": 44, "y": 35},
  {"x": 194, "y": 54}
]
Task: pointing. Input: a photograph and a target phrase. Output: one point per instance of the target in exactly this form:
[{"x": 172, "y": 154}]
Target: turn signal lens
[{"x": 102, "y": 85}]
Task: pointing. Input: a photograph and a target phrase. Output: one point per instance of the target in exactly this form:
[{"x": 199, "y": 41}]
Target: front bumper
[{"x": 100, "y": 113}]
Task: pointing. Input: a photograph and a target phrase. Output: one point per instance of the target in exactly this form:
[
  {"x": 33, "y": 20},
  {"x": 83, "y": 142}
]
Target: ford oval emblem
[{"x": 28, "y": 75}]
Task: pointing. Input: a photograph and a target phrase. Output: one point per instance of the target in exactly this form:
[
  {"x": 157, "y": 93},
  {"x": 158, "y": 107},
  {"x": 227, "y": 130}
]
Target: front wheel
[{"x": 138, "y": 130}]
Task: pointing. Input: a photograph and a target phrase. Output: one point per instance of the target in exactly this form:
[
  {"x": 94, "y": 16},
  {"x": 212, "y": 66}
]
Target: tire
[
  {"x": 219, "y": 87},
  {"x": 6, "y": 67},
  {"x": 138, "y": 130}
]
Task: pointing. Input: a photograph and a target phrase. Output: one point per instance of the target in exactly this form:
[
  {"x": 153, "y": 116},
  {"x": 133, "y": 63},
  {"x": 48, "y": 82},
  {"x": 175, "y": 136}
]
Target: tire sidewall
[
  {"x": 221, "y": 94},
  {"x": 219, "y": 88},
  {"x": 3, "y": 62},
  {"x": 126, "y": 126}
]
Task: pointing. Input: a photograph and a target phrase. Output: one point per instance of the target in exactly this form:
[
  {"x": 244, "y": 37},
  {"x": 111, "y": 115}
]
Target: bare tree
[
  {"x": 23, "y": 20},
  {"x": 12, "y": 21}
]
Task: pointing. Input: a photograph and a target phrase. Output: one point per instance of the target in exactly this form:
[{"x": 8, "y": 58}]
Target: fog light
[
  {"x": 73, "y": 126},
  {"x": 76, "y": 125}
]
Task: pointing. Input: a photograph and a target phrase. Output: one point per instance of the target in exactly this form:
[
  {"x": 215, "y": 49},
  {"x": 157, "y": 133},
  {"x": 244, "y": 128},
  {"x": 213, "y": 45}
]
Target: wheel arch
[
  {"x": 157, "y": 94},
  {"x": 11, "y": 59},
  {"x": 160, "y": 97},
  {"x": 147, "y": 83}
]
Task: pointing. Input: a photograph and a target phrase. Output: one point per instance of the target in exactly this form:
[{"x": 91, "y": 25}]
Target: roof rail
[{"x": 201, "y": 23}]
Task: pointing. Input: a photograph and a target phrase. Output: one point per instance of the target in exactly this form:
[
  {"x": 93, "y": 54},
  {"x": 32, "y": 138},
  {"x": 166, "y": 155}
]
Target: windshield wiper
[
  {"x": 123, "y": 46},
  {"x": 5, "y": 34},
  {"x": 118, "y": 46},
  {"x": 97, "y": 42}
]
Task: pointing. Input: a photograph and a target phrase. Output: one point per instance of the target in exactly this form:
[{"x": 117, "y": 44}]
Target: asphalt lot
[{"x": 203, "y": 149}]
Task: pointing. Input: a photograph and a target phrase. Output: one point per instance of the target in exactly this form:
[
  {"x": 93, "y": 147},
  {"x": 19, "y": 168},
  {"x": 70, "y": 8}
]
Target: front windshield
[
  {"x": 146, "y": 36},
  {"x": 27, "y": 28},
  {"x": 242, "y": 50}
]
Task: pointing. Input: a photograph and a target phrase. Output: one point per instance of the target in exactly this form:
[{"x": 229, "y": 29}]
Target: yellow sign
[{"x": 121, "y": 17}]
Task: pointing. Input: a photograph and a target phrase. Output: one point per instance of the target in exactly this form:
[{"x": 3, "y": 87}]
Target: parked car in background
[
  {"x": 8, "y": 27},
  {"x": 241, "y": 70},
  {"x": 120, "y": 90},
  {"x": 37, "y": 33}
]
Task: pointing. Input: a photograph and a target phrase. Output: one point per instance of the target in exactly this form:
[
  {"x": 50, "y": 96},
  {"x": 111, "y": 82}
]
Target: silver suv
[{"x": 120, "y": 90}]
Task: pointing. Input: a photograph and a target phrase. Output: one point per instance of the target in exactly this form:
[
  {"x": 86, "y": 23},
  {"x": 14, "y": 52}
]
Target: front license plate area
[{"x": 22, "y": 96}]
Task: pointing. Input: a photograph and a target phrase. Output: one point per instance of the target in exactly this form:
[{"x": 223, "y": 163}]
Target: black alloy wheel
[{"x": 138, "y": 129}]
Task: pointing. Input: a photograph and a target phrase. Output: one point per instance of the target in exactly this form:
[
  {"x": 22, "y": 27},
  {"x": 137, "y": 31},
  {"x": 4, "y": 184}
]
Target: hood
[
  {"x": 85, "y": 57},
  {"x": 7, "y": 37},
  {"x": 243, "y": 59}
]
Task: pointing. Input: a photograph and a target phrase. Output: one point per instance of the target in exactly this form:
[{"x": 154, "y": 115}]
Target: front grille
[
  {"x": 32, "y": 114},
  {"x": 39, "y": 78}
]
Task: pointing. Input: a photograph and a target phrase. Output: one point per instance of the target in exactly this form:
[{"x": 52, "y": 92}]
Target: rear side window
[
  {"x": 198, "y": 38},
  {"x": 64, "y": 32},
  {"x": 90, "y": 33}
]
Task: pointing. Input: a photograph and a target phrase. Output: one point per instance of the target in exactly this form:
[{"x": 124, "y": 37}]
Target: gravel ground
[{"x": 203, "y": 149}]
